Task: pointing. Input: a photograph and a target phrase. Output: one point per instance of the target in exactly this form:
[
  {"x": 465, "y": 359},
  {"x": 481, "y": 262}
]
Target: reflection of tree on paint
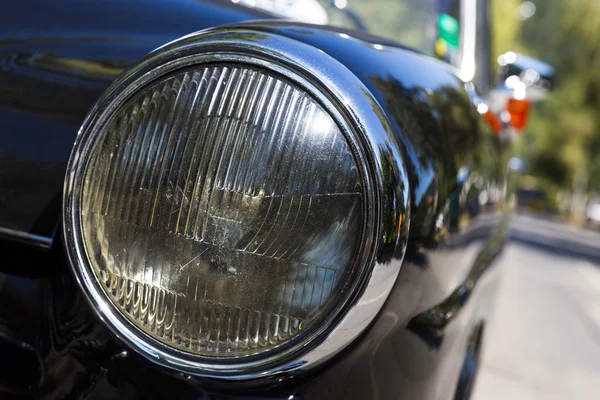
[{"x": 438, "y": 123}]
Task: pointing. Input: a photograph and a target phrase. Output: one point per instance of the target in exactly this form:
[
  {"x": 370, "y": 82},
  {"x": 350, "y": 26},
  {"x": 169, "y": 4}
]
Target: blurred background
[{"x": 560, "y": 144}]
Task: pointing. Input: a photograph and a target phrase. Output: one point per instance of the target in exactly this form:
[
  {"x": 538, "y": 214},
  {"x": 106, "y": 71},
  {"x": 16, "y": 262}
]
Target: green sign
[{"x": 449, "y": 30}]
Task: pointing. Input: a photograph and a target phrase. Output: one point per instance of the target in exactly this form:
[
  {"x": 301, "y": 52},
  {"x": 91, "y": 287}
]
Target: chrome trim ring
[{"x": 368, "y": 132}]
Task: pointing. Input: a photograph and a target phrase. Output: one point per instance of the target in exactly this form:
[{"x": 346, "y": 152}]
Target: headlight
[{"x": 220, "y": 211}]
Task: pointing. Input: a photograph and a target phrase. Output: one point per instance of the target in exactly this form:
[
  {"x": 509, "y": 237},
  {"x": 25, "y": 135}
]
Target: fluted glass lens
[{"x": 222, "y": 211}]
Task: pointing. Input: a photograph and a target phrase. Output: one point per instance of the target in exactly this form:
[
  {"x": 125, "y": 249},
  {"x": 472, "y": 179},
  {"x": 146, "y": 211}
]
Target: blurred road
[{"x": 543, "y": 341}]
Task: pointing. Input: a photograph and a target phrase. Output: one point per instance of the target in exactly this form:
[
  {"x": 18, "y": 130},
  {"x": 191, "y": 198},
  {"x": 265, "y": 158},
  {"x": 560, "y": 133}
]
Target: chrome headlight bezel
[{"x": 348, "y": 102}]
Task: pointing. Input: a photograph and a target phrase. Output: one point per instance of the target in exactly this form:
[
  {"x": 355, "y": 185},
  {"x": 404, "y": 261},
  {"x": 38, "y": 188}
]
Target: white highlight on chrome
[{"x": 469, "y": 16}]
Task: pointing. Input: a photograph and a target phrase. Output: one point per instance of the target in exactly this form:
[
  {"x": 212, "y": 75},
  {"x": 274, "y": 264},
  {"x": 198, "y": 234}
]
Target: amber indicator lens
[
  {"x": 493, "y": 121},
  {"x": 519, "y": 111},
  {"x": 222, "y": 211}
]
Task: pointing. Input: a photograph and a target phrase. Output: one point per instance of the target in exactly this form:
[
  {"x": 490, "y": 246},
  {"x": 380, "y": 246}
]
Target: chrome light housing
[{"x": 228, "y": 204}]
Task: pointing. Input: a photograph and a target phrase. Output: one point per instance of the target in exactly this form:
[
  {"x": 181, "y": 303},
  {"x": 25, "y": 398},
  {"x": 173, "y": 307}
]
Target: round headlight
[{"x": 220, "y": 211}]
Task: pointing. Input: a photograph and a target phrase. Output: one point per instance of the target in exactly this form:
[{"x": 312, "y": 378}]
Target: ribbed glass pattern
[{"x": 222, "y": 210}]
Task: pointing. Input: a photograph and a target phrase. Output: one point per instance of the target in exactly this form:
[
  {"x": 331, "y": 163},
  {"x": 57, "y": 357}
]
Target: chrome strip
[
  {"x": 368, "y": 131},
  {"x": 469, "y": 33},
  {"x": 26, "y": 237}
]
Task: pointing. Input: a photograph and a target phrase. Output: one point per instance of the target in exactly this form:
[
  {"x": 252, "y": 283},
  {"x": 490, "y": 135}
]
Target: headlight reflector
[{"x": 222, "y": 211}]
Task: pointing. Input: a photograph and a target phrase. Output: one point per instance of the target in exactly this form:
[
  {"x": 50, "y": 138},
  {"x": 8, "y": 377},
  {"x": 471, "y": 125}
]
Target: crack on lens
[
  {"x": 224, "y": 219},
  {"x": 267, "y": 196},
  {"x": 221, "y": 248},
  {"x": 184, "y": 266}
]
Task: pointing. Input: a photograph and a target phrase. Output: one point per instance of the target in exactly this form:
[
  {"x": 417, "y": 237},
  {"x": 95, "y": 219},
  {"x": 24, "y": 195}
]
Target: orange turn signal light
[
  {"x": 493, "y": 121},
  {"x": 519, "y": 111}
]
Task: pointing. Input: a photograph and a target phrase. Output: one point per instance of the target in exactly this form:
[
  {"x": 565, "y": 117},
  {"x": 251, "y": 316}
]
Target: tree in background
[{"x": 562, "y": 142}]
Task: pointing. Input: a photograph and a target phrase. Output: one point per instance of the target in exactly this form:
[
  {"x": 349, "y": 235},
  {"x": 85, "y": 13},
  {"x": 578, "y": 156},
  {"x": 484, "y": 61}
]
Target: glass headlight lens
[{"x": 222, "y": 211}]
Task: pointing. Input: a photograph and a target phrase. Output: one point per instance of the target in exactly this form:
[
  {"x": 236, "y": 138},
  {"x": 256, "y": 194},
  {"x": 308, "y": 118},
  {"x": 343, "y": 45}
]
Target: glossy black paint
[{"x": 423, "y": 337}]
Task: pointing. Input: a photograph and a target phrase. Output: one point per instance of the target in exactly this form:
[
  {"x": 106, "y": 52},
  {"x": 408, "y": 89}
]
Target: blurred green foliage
[
  {"x": 562, "y": 141},
  {"x": 561, "y": 144}
]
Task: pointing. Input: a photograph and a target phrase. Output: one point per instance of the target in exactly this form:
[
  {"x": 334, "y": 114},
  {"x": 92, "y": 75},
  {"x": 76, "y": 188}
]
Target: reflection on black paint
[
  {"x": 438, "y": 135},
  {"x": 430, "y": 324}
]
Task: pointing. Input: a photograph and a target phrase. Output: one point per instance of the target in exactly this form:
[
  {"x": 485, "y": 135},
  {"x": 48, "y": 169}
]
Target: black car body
[{"x": 436, "y": 156}]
